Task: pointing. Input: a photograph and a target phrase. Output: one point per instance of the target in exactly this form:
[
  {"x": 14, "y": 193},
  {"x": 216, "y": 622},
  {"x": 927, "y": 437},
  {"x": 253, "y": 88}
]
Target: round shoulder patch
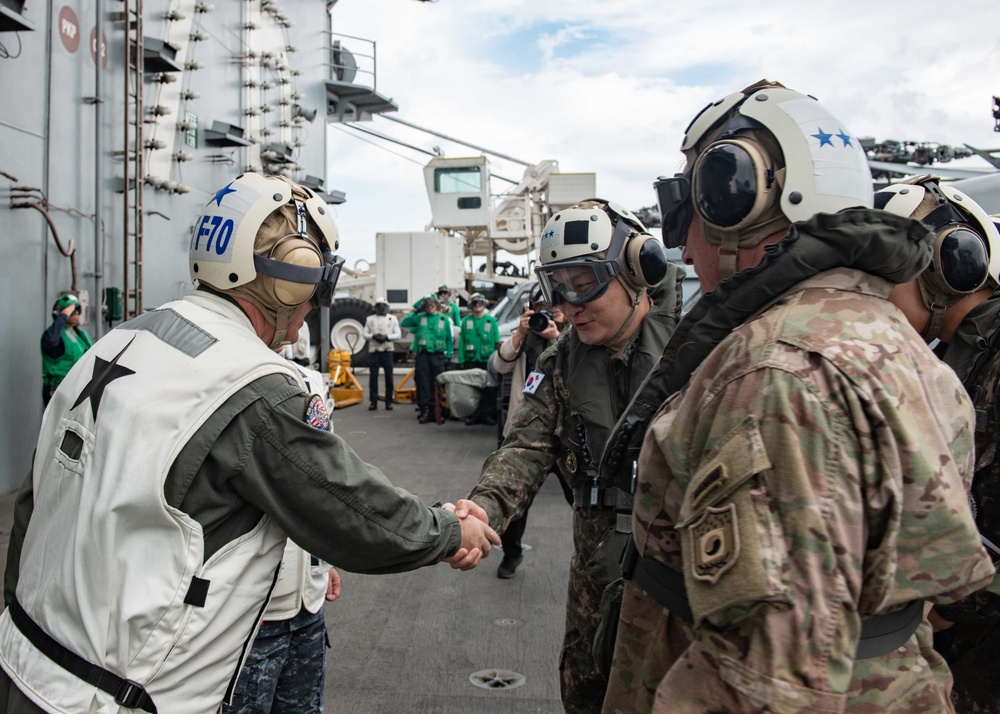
[{"x": 316, "y": 413}]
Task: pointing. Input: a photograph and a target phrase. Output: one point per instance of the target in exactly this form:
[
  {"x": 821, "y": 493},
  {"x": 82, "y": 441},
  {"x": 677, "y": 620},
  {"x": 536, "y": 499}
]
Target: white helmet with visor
[{"x": 585, "y": 247}]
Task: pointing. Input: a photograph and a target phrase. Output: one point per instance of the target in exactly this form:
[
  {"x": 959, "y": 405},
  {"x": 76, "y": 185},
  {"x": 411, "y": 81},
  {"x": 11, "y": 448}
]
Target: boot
[
  {"x": 372, "y": 407},
  {"x": 425, "y": 416},
  {"x": 508, "y": 566},
  {"x": 388, "y": 406}
]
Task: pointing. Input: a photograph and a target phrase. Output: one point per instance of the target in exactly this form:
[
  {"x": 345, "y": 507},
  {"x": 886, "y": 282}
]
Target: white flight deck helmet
[
  {"x": 271, "y": 242},
  {"x": 757, "y": 161},
  {"x": 587, "y": 246},
  {"x": 966, "y": 242}
]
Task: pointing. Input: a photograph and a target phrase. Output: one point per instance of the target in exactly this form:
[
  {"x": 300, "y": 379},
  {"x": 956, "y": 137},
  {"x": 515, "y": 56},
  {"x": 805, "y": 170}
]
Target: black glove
[{"x": 380, "y": 338}]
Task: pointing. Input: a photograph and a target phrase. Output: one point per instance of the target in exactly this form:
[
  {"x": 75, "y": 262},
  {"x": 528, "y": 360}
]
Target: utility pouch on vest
[
  {"x": 603, "y": 649},
  {"x": 604, "y": 565}
]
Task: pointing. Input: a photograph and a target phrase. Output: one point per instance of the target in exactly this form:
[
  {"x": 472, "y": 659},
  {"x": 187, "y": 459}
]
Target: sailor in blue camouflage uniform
[{"x": 285, "y": 672}]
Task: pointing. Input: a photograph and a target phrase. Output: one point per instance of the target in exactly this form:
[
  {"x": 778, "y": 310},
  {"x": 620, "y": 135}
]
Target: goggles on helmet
[
  {"x": 674, "y": 198},
  {"x": 327, "y": 284},
  {"x": 587, "y": 278}
]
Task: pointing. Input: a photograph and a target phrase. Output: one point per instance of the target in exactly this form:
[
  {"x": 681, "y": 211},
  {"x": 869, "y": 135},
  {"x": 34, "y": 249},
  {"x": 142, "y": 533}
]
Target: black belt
[
  {"x": 127, "y": 693},
  {"x": 880, "y": 635},
  {"x": 602, "y": 497}
]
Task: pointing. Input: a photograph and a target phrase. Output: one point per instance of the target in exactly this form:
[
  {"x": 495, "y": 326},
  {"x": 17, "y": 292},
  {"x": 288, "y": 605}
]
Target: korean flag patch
[
  {"x": 316, "y": 413},
  {"x": 532, "y": 382}
]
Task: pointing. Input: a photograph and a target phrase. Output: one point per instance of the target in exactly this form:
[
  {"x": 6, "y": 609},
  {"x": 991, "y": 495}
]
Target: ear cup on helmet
[
  {"x": 294, "y": 251},
  {"x": 645, "y": 261},
  {"x": 961, "y": 261},
  {"x": 732, "y": 183}
]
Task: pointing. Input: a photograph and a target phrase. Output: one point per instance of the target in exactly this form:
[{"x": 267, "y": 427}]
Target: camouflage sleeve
[
  {"x": 795, "y": 523},
  {"x": 513, "y": 473}
]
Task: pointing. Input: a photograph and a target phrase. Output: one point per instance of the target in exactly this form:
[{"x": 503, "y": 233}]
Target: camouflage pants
[
  {"x": 582, "y": 686},
  {"x": 284, "y": 671}
]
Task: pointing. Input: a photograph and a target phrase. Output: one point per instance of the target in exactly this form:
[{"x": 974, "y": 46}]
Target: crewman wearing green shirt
[
  {"x": 449, "y": 306},
  {"x": 433, "y": 344},
  {"x": 63, "y": 343},
  {"x": 478, "y": 337}
]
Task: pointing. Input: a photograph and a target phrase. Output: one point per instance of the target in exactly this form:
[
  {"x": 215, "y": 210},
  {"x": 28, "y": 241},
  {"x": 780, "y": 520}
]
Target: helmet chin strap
[
  {"x": 283, "y": 316},
  {"x": 639, "y": 294},
  {"x": 938, "y": 308}
]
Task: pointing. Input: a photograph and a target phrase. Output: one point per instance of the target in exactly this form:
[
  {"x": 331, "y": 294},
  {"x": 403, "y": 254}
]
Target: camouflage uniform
[
  {"x": 284, "y": 672},
  {"x": 774, "y": 482},
  {"x": 583, "y": 392},
  {"x": 972, "y": 647}
]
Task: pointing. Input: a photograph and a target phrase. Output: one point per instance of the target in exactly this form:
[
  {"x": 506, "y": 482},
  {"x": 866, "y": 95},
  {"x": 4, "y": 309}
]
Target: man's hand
[
  {"x": 551, "y": 332},
  {"x": 465, "y": 508},
  {"x": 333, "y": 585},
  {"x": 522, "y": 324},
  {"x": 477, "y": 536},
  {"x": 69, "y": 310}
]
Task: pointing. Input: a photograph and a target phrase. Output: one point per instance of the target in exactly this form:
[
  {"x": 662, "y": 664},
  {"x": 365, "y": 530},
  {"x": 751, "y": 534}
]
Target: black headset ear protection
[
  {"x": 961, "y": 259},
  {"x": 733, "y": 182},
  {"x": 645, "y": 261}
]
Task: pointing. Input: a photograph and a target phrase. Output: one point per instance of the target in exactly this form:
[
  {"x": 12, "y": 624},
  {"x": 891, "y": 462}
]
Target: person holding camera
[
  {"x": 381, "y": 329},
  {"x": 538, "y": 328},
  {"x": 63, "y": 343}
]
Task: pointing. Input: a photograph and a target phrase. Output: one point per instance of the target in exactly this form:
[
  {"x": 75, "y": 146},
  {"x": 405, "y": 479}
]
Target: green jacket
[
  {"x": 431, "y": 333},
  {"x": 75, "y": 343},
  {"x": 451, "y": 310},
  {"x": 477, "y": 338}
]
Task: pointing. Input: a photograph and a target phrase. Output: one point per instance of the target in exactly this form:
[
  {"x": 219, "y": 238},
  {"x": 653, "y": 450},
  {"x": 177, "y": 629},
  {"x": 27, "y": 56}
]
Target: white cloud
[{"x": 610, "y": 86}]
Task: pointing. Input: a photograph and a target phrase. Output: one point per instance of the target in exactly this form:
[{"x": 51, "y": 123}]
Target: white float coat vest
[
  {"x": 106, "y": 564},
  {"x": 302, "y": 580}
]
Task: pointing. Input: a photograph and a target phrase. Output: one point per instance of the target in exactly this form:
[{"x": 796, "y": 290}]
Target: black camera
[{"x": 539, "y": 321}]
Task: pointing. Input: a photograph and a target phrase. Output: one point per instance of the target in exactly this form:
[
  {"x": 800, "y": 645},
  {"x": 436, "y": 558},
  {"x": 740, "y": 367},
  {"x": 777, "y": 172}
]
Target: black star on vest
[{"x": 104, "y": 374}]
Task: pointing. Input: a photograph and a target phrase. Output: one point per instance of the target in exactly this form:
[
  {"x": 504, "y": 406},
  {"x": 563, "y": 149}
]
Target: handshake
[{"x": 477, "y": 536}]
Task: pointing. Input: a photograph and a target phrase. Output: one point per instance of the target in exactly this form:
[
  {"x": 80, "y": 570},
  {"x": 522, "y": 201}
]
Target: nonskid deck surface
[{"x": 411, "y": 642}]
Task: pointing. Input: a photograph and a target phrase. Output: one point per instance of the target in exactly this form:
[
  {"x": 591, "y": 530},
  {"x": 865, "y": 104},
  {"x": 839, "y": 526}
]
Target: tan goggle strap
[
  {"x": 938, "y": 307},
  {"x": 728, "y": 250}
]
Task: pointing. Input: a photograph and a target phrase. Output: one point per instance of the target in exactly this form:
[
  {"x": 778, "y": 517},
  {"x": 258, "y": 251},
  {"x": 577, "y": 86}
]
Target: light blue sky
[{"x": 609, "y": 87}]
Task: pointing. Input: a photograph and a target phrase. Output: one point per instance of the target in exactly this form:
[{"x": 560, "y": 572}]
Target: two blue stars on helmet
[
  {"x": 827, "y": 139},
  {"x": 548, "y": 234},
  {"x": 221, "y": 193}
]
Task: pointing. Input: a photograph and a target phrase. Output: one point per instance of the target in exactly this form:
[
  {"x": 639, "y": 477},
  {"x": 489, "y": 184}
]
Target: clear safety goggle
[
  {"x": 673, "y": 195},
  {"x": 576, "y": 281},
  {"x": 585, "y": 279}
]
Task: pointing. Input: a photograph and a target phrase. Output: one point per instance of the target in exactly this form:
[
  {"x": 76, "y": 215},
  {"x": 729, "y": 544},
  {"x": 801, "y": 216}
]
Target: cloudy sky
[{"x": 609, "y": 86}]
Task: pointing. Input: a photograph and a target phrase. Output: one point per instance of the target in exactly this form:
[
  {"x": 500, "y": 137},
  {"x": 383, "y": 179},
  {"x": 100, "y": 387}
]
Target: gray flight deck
[{"x": 410, "y": 642}]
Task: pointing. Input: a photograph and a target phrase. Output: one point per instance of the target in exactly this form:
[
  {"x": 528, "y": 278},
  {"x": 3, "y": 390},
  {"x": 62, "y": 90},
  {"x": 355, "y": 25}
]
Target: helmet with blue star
[
  {"x": 757, "y": 161},
  {"x": 270, "y": 241},
  {"x": 587, "y": 246}
]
